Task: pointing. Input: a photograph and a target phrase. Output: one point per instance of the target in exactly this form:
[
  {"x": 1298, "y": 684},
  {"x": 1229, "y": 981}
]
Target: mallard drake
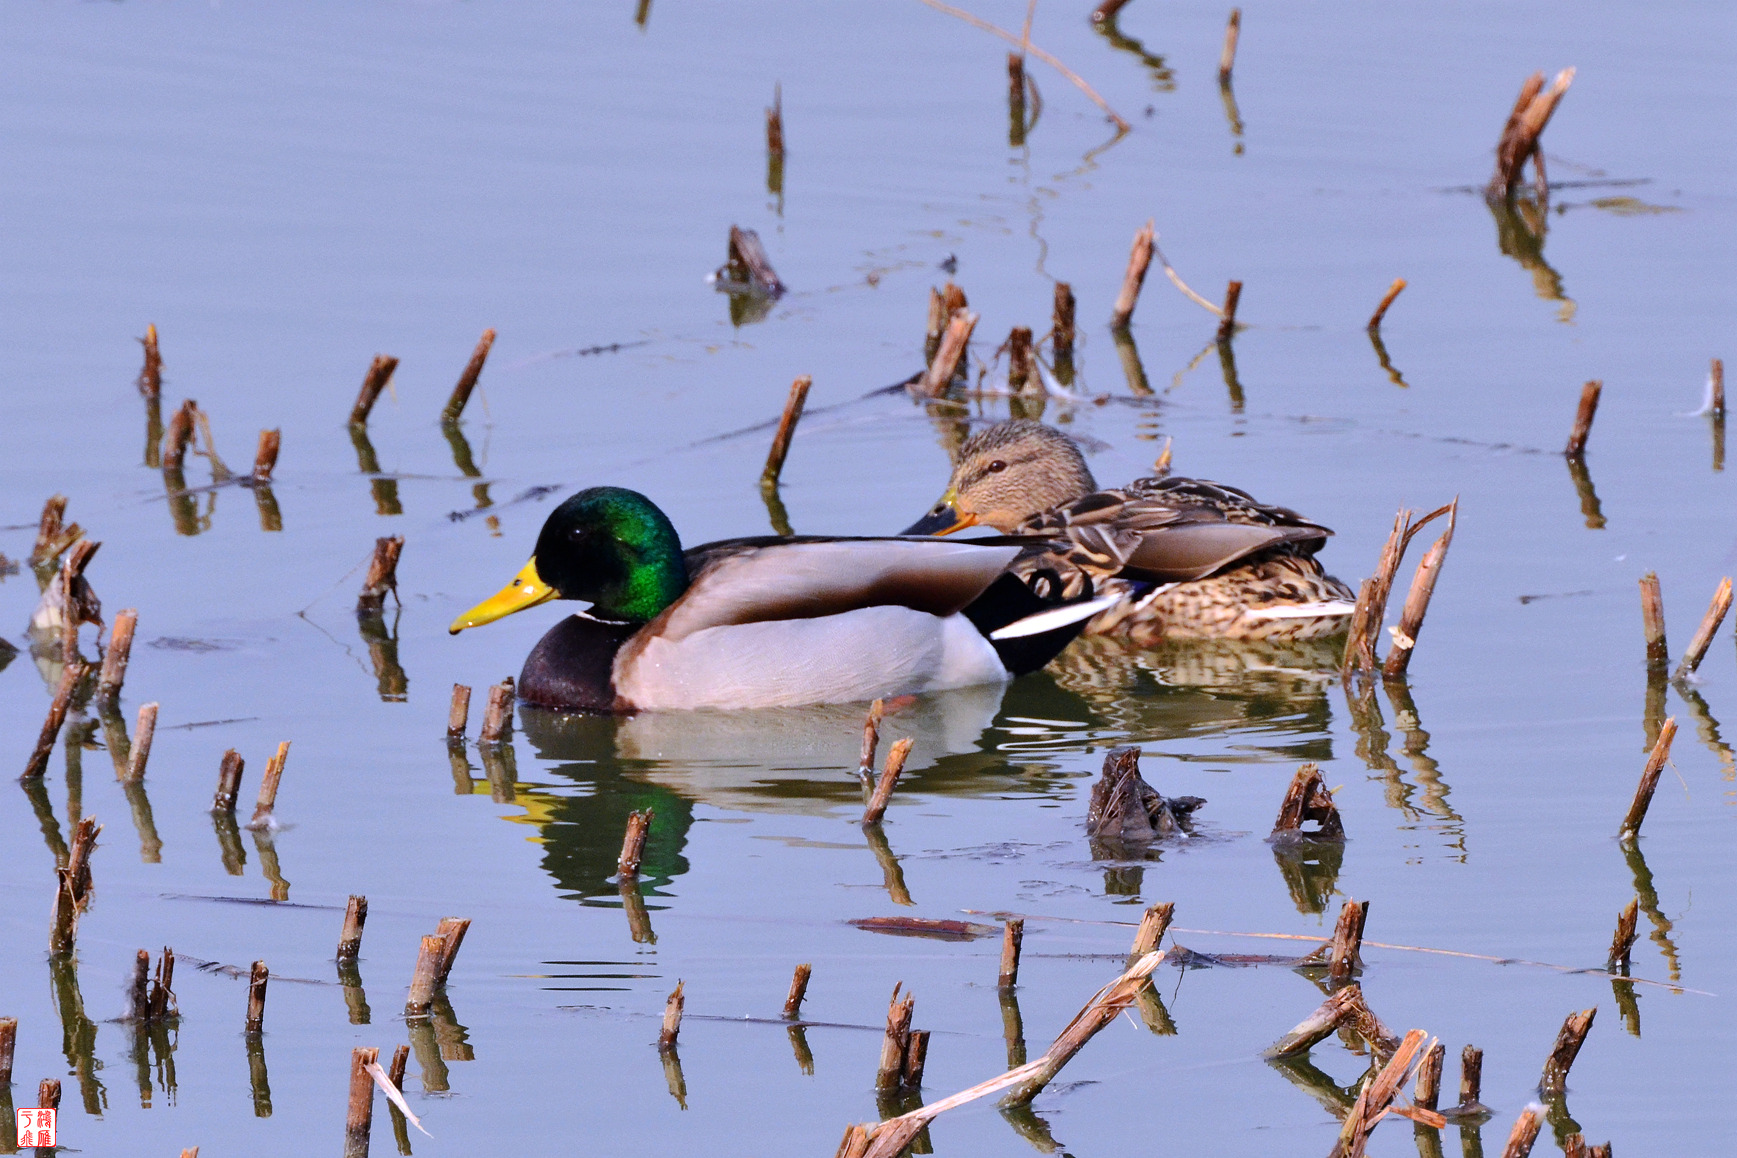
[
  {"x": 1193, "y": 559},
  {"x": 773, "y": 622}
]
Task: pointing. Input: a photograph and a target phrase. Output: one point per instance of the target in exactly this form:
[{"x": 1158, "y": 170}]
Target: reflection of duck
[
  {"x": 770, "y": 622},
  {"x": 1199, "y": 559}
]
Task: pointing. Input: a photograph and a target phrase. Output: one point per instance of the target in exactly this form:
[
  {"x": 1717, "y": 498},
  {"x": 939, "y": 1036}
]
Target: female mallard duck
[
  {"x": 1193, "y": 559},
  {"x": 772, "y": 622}
]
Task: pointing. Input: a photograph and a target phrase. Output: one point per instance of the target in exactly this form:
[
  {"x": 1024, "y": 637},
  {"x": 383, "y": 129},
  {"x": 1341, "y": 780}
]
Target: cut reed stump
[
  {"x": 1372, "y": 595},
  {"x": 70, "y": 676},
  {"x": 1471, "y": 1085},
  {"x": 1154, "y": 922},
  {"x": 262, "y": 809},
  {"x": 382, "y": 575},
  {"x": 1622, "y": 941},
  {"x": 256, "y": 984},
  {"x": 151, "y": 374},
  {"x": 1139, "y": 260},
  {"x": 424, "y": 979},
  {"x": 228, "y": 782},
  {"x": 350, "y": 939},
  {"x": 400, "y": 1061},
  {"x": 1417, "y": 600},
  {"x": 458, "y": 714},
  {"x": 1387, "y": 299},
  {"x": 883, "y": 793},
  {"x": 1019, "y": 362},
  {"x": 452, "y": 931},
  {"x": 1653, "y": 622},
  {"x": 120, "y": 649},
  {"x": 179, "y": 436},
  {"x": 1345, "y": 957},
  {"x": 1308, "y": 800},
  {"x": 1061, "y": 339},
  {"x": 143, "y": 734},
  {"x": 1376, "y": 1097},
  {"x": 633, "y": 843},
  {"x": 72, "y": 889},
  {"x": 672, "y": 1018},
  {"x": 747, "y": 262},
  {"x": 1703, "y": 637},
  {"x": 786, "y": 430},
  {"x": 8, "y": 1043},
  {"x": 916, "y": 1057},
  {"x": 359, "y": 1121},
  {"x": 461, "y": 391},
  {"x": 265, "y": 458},
  {"x": 1569, "y": 1039},
  {"x": 498, "y": 715},
  {"x": 871, "y": 738},
  {"x": 1649, "y": 782},
  {"x": 947, "y": 357},
  {"x": 1427, "y": 1092},
  {"x": 1524, "y": 1134},
  {"x": 798, "y": 990},
  {"x": 1583, "y": 414},
  {"x": 1227, "y": 313},
  {"x": 775, "y": 140},
  {"x": 379, "y": 373},
  {"x": 1012, "y": 939},
  {"x": 1519, "y": 140},
  {"x": 895, "y": 1045},
  {"x": 1227, "y": 57},
  {"x": 53, "y": 533},
  {"x": 48, "y": 1094}
]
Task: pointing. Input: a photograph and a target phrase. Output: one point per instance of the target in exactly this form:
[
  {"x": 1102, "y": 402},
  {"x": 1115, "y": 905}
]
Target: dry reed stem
[
  {"x": 1417, "y": 600},
  {"x": 360, "y": 1118},
  {"x": 1716, "y": 388},
  {"x": 1153, "y": 925},
  {"x": 228, "y": 782},
  {"x": 48, "y": 1093},
  {"x": 1227, "y": 58},
  {"x": 265, "y": 458},
  {"x": 1393, "y": 292},
  {"x": 355, "y": 918},
  {"x": 786, "y": 429},
  {"x": 1012, "y": 939},
  {"x": 1583, "y": 415},
  {"x": 896, "y": 1042},
  {"x": 948, "y": 353},
  {"x": 1344, "y": 1008},
  {"x": 748, "y": 260},
  {"x": 1078, "y": 82},
  {"x": 458, "y": 715},
  {"x": 53, "y": 534},
  {"x": 1649, "y": 781},
  {"x": 151, "y": 374},
  {"x": 672, "y": 1019},
  {"x": 452, "y": 931},
  {"x": 466, "y": 383},
  {"x": 1704, "y": 634},
  {"x": 916, "y": 1058},
  {"x": 1519, "y": 140},
  {"x": 1377, "y": 1095},
  {"x": 57, "y": 708},
  {"x": 1622, "y": 941},
  {"x": 1345, "y": 957},
  {"x": 1227, "y": 313},
  {"x": 1653, "y": 621},
  {"x": 1372, "y": 595},
  {"x": 633, "y": 842},
  {"x": 268, "y": 783},
  {"x": 8, "y": 1042},
  {"x": 498, "y": 715},
  {"x": 1524, "y": 1133},
  {"x": 379, "y": 373},
  {"x": 1099, "y": 1012},
  {"x": 1471, "y": 1080},
  {"x": 382, "y": 574},
  {"x": 936, "y": 324},
  {"x": 114, "y": 672},
  {"x": 1139, "y": 260},
  {"x": 1427, "y": 1092},
  {"x": 1307, "y": 799},
  {"x": 871, "y": 738},
  {"x": 1569, "y": 1039},
  {"x": 256, "y": 984},
  {"x": 143, "y": 734},
  {"x": 877, "y": 805},
  {"x": 424, "y": 979},
  {"x": 1106, "y": 12},
  {"x": 775, "y": 123},
  {"x": 798, "y": 990},
  {"x": 400, "y": 1061},
  {"x": 1061, "y": 341},
  {"x": 179, "y": 435},
  {"x": 1019, "y": 363}
]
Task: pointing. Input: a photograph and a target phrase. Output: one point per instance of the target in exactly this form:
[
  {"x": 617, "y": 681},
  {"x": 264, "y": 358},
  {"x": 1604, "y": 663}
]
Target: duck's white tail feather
[
  {"x": 1326, "y": 609},
  {"x": 1055, "y": 617}
]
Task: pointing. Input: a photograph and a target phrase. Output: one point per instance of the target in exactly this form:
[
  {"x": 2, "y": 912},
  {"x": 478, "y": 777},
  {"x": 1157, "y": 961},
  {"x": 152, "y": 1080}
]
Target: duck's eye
[{"x": 997, "y": 467}]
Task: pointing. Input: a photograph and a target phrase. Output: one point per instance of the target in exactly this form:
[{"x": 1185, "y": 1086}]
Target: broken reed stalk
[
  {"x": 1227, "y": 313},
  {"x": 400, "y": 1061},
  {"x": 498, "y": 715},
  {"x": 798, "y": 990},
  {"x": 1139, "y": 260},
  {"x": 1524, "y": 1134},
  {"x": 8, "y": 1042},
  {"x": 775, "y": 124},
  {"x": 359, "y": 1121},
  {"x": 1346, "y": 957},
  {"x": 1103, "y": 1009},
  {"x": 179, "y": 435},
  {"x": 53, "y": 534},
  {"x": 1583, "y": 415},
  {"x": 1153, "y": 924},
  {"x": 1012, "y": 939},
  {"x": 948, "y": 354},
  {"x": 115, "y": 659},
  {"x": 265, "y": 458},
  {"x": 1417, "y": 600},
  {"x": 1622, "y": 941},
  {"x": 458, "y": 715},
  {"x": 355, "y": 917},
  {"x": 1019, "y": 363},
  {"x": 1308, "y": 799},
  {"x": 1519, "y": 140},
  {"x": 1061, "y": 340},
  {"x": 916, "y": 1058},
  {"x": 1227, "y": 58},
  {"x": 57, "y": 708},
  {"x": 1386, "y": 300},
  {"x": 1716, "y": 388},
  {"x": 871, "y": 738},
  {"x": 1653, "y": 622},
  {"x": 1427, "y": 1092},
  {"x": 1345, "y": 1008},
  {"x": 1569, "y": 1039},
  {"x": 162, "y": 1001},
  {"x": 382, "y": 575},
  {"x": 747, "y": 261},
  {"x": 633, "y": 842},
  {"x": 72, "y": 889},
  {"x": 467, "y": 380},
  {"x": 452, "y": 931},
  {"x": 672, "y": 1018},
  {"x": 1377, "y": 1095},
  {"x": 1649, "y": 781},
  {"x": 1372, "y": 595},
  {"x": 48, "y": 1094},
  {"x": 877, "y": 805},
  {"x": 268, "y": 783},
  {"x": 424, "y": 978},
  {"x": 143, "y": 733},
  {"x": 256, "y": 983},
  {"x": 786, "y": 429},
  {"x": 228, "y": 782},
  {"x": 151, "y": 374},
  {"x": 1471, "y": 1080},
  {"x": 896, "y": 1043},
  {"x": 1704, "y": 634},
  {"x": 379, "y": 373}
]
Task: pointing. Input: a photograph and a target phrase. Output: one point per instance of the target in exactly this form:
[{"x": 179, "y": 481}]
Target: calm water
[{"x": 286, "y": 193}]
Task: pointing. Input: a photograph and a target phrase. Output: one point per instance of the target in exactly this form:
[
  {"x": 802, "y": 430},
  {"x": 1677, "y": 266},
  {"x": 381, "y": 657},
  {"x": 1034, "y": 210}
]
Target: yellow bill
[
  {"x": 526, "y": 590},
  {"x": 944, "y": 519}
]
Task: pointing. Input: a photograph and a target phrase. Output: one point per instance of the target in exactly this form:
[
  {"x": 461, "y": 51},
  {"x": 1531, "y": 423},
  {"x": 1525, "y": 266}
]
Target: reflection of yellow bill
[{"x": 526, "y": 590}]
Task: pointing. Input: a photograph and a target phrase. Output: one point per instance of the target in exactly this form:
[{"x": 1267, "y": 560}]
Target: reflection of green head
[{"x": 614, "y": 549}]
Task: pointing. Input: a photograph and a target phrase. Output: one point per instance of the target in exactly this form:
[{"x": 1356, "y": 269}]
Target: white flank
[
  {"x": 1325, "y": 610},
  {"x": 1055, "y": 617}
]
